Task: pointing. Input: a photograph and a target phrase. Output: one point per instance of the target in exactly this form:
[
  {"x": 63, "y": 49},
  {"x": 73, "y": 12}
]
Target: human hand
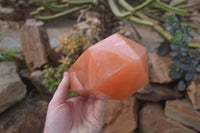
[{"x": 75, "y": 115}]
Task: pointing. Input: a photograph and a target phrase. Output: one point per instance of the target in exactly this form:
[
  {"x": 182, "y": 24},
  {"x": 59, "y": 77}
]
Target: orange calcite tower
[{"x": 115, "y": 66}]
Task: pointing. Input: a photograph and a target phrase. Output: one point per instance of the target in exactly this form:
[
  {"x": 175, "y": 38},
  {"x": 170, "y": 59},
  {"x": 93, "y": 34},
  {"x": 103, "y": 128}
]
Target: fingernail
[{"x": 65, "y": 74}]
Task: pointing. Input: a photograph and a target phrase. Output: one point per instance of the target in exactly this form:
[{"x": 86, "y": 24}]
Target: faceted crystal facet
[{"x": 115, "y": 66}]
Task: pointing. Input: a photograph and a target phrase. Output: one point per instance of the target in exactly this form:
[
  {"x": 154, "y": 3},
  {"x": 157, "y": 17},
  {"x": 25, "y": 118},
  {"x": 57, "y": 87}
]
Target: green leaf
[
  {"x": 194, "y": 77},
  {"x": 174, "y": 47},
  {"x": 145, "y": 4},
  {"x": 178, "y": 36},
  {"x": 140, "y": 22},
  {"x": 1, "y": 35},
  {"x": 72, "y": 94},
  {"x": 198, "y": 68},
  {"x": 193, "y": 54},
  {"x": 115, "y": 9},
  {"x": 189, "y": 6},
  {"x": 10, "y": 55},
  {"x": 126, "y": 5},
  {"x": 38, "y": 10},
  {"x": 189, "y": 76},
  {"x": 162, "y": 32},
  {"x": 175, "y": 75},
  {"x": 183, "y": 49},
  {"x": 191, "y": 25},
  {"x": 194, "y": 45},
  {"x": 164, "y": 48},
  {"x": 153, "y": 16},
  {"x": 195, "y": 61},
  {"x": 177, "y": 63},
  {"x": 169, "y": 8},
  {"x": 173, "y": 22},
  {"x": 183, "y": 53},
  {"x": 181, "y": 86},
  {"x": 178, "y": 2},
  {"x": 185, "y": 67},
  {"x": 61, "y": 14},
  {"x": 56, "y": 8},
  {"x": 173, "y": 53}
]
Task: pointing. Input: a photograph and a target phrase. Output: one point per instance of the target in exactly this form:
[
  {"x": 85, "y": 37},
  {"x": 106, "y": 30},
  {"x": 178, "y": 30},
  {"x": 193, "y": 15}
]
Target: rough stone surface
[
  {"x": 8, "y": 13},
  {"x": 156, "y": 93},
  {"x": 148, "y": 38},
  {"x": 27, "y": 116},
  {"x": 10, "y": 34},
  {"x": 120, "y": 116},
  {"x": 193, "y": 92},
  {"x": 196, "y": 36},
  {"x": 37, "y": 77},
  {"x": 85, "y": 28},
  {"x": 159, "y": 68},
  {"x": 127, "y": 31},
  {"x": 5, "y": 25},
  {"x": 89, "y": 27},
  {"x": 182, "y": 111},
  {"x": 12, "y": 89},
  {"x": 35, "y": 44},
  {"x": 25, "y": 75},
  {"x": 55, "y": 56},
  {"x": 195, "y": 17},
  {"x": 153, "y": 120}
]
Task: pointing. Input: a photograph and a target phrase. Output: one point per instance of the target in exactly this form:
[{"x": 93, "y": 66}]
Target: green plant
[
  {"x": 186, "y": 61},
  {"x": 10, "y": 55},
  {"x": 1, "y": 36},
  {"x": 52, "y": 79},
  {"x": 74, "y": 45},
  {"x": 134, "y": 12},
  {"x": 54, "y": 76}
]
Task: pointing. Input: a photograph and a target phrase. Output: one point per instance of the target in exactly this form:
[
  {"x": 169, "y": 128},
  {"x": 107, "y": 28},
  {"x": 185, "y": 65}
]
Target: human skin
[{"x": 76, "y": 115}]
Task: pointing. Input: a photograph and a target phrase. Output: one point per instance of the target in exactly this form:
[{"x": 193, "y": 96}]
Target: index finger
[{"x": 61, "y": 93}]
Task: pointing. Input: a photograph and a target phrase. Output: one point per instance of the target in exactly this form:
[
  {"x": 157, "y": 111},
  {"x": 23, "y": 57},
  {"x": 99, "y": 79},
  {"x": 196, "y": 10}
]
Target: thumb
[{"x": 61, "y": 93}]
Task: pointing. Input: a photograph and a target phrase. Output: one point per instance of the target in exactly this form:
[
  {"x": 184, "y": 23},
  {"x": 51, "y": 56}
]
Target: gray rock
[
  {"x": 196, "y": 35},
  {"x": 35, "y": 42},
  {"x": 121, "y": 116},
  {"x": 12, "y": 89},
  {"x": 157, "y": 92},
  {"x": 159, "y": 68},
  {"x": 153, "y": 120},
  {"x": 37, "y": 77},
  {"x": 193, "y": 92},
  {"x": 27, "y": 116},
  {"x": 8, "y": 13},
  {"x": 183, "y": 112}
]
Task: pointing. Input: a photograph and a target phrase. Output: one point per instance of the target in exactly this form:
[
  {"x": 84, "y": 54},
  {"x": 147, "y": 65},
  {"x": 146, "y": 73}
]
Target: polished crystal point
[{"x": 115, "y": 66}]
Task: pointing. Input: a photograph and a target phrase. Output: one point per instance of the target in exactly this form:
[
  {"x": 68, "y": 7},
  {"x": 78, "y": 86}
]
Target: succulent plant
[
  {"x": 141, "y": 13},
  {"x": 186, "y": 60}
]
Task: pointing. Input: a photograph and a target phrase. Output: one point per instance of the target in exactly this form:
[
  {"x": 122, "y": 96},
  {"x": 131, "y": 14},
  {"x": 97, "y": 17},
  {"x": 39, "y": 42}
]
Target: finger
[
  {"x": 75, "y": 83},
  {"x": 100, "y": 104},
  {"x": 61, "y": 93}
]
